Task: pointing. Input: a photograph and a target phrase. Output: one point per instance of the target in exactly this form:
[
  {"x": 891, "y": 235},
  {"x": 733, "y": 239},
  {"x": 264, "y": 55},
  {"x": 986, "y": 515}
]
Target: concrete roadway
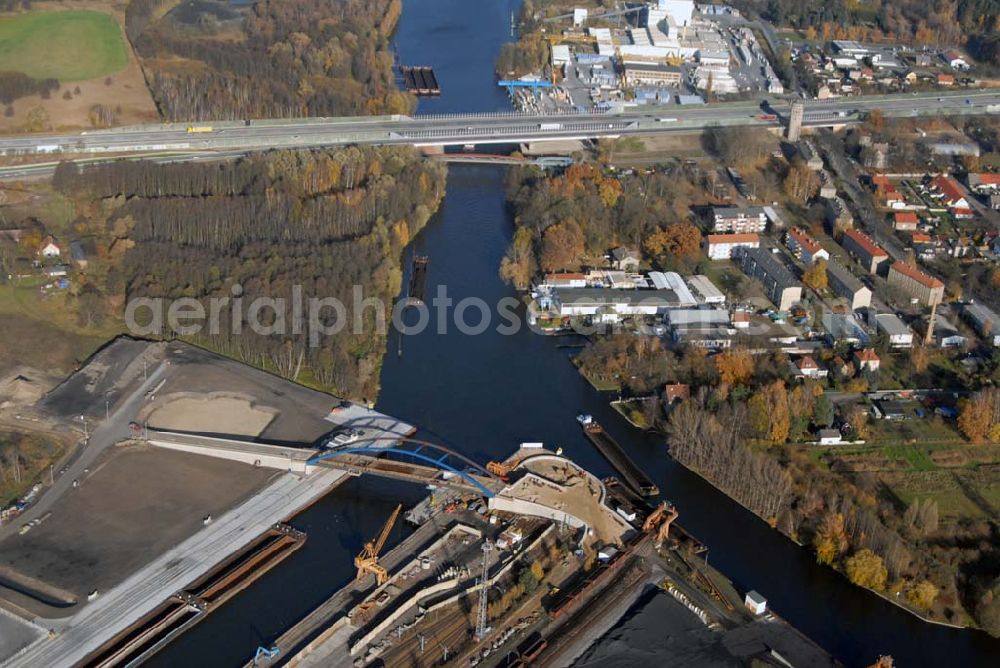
[
  {"x": 500, "y": 127},
  {"x": 104, "y": 434},
  {"x": 145, "y": 589}
]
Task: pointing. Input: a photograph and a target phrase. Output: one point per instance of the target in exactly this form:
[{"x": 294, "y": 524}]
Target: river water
[{"x": 485, "y": 394}]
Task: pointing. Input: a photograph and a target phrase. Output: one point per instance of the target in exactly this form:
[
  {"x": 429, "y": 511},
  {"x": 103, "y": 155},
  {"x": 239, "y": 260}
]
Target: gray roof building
[
  {"x": 780, "y": 286},
  {"x": 845, "y": 284}
]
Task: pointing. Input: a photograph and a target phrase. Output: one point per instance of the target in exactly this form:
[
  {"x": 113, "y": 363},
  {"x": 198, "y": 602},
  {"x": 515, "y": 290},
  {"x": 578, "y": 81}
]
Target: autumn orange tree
[
  {"x": 979, "y": 416},
  {"x": 770, "y": 417},
  {"x": 562, "y": 246},
  {"x": 865, "y": 568},
  {"x": 734, "y": 366},
  {"x": 680, "y": 240},
  {"x": 815, "y": 275},
  {"x": 831, "y": 539},
  {"x": 518, "y": 264}
]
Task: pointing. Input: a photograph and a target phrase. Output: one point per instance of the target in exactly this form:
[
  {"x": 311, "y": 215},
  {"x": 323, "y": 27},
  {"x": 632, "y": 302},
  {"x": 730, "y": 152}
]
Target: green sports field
[{"x": 64, "y": 45}]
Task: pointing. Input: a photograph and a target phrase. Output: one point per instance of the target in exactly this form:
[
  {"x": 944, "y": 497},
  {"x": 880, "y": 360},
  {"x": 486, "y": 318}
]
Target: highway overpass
[{"x": 233, "y": 137}]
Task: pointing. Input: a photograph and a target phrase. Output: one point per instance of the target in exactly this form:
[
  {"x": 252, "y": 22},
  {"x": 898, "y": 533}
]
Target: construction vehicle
[
  {"x": 501, "y": 469},
  {"x": 367, "y": 560},
  {"x": 660, "y": 520}
]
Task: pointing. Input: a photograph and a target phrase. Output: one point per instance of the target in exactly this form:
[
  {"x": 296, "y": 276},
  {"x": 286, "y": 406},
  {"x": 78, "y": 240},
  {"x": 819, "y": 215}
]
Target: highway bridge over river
[{"x": 227, "y": 138}]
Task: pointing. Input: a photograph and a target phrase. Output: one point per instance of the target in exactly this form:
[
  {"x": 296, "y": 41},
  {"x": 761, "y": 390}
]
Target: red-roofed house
[
  {"x": 675, "y": 392},
  {"x": 807, "y": 368},
  {"x": 804, "y": 246},
  {"x": 841, "y": 366},
  {"x": 985, "y": 183},
  {"x": 740, "y": 319},
  {"x": 920, "y": 238},
  {"x": 866, "y": 359},
  {"x": 864, "y": 250},
  {"x": 722, "y": 246},
  {"x": 923, "y": 287},
  {"x": 905, "y": 220},
  {"x": 952, "y": 195}
]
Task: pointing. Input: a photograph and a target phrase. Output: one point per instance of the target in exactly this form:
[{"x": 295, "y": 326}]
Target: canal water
[{"x": 485, "y": 394}]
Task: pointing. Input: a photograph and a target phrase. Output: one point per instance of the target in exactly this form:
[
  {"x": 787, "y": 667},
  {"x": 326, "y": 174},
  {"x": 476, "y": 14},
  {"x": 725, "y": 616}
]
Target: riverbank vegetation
[
  {"x": 573, "y": 219},
  {"x": 318, "y": 222},
  {"x": 276, "y": 58},
  {"x": 909, "y": 508}
]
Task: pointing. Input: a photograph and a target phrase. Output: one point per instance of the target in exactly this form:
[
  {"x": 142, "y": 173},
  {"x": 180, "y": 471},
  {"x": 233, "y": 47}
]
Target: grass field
[{"x": 64, "y": 45}]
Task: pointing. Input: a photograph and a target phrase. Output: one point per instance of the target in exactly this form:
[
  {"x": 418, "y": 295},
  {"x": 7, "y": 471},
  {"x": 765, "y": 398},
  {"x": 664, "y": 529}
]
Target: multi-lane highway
[{"x": 230, "y": 137}]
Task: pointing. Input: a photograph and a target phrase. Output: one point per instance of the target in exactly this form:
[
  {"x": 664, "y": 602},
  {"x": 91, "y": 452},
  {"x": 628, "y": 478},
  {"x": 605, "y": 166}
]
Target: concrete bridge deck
[{"x": 510, "y": 127}]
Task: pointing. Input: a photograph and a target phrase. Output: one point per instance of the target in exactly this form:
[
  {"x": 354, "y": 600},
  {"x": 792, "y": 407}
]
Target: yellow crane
[
  {"x": 659, "y": 521},
  {"x": 367, "y": 560}
]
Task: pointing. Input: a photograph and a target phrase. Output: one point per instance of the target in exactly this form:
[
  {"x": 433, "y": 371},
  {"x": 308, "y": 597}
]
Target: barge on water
[
  {"x": 607, "y": 446},
  {"x": 420, "y": 80},
  {"x": 180, "y": 612},
  {"x": 418, "y": 276}
]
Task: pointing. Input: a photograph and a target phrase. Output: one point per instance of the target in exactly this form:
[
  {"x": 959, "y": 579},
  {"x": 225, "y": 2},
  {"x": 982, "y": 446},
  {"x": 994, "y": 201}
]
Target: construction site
[
  {"x": 529, "y": 560},
  {"x": 532, "y": 575}
]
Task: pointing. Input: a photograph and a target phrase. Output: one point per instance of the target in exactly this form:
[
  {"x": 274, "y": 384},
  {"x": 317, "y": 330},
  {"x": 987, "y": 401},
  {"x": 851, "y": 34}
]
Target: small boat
[{"x": 585, "y": 419}]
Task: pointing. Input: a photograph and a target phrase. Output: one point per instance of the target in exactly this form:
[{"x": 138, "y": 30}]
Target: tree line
[
  {"x": 947, "y": 23},
  {"x": 15, "y": 85},
  {"x": 293, "y": 58},
  {"x": 324, "y": 220}
]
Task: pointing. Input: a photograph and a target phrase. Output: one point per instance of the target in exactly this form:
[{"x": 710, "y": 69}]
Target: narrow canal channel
[{"x": 485, "y": 394}]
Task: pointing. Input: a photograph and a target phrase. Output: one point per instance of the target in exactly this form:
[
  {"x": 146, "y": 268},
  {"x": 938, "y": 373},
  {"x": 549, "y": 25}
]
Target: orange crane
[
  {"x": 660, "y": 521},
  {"x": 367, "y": 561}
]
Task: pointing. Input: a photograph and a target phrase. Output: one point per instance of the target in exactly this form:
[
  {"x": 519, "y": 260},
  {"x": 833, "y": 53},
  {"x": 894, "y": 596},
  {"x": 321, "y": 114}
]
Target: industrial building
[
  {"x": 922, "y": 287},
  {"x": 779, "y": 284},
  {"x": 899, "y": 333},
  {"x": 705, "y": 291},
  {"x": 946, "y": 335},
  {"x": 868, "y": 254},
  {"x": 673, "y": 282},
  {"x": 844, "y": 328},
  {"x": 652, "y": 73},
  {"x": 845, "y": 284},
  {"x": 984, "y": 320},
  {"x": 611, "y": 306}
]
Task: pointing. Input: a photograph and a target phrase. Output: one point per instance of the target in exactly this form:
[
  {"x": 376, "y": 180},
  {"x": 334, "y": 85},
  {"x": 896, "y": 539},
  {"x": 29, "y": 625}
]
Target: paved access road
[
  {"x": 83, "y": 633},
  {"x": 101, "y": 435},
  {"x": 500, "y": 127}
]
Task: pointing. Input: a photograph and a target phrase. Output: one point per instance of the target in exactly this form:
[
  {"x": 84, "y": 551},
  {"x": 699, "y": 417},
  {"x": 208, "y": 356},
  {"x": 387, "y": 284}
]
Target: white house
[
  {"x": 807, "y": 367},
  {"x": 830, "y": 437},
  {"x": 867, "y": 359},
  {"x": 49, "y": 248},
  {"x": 722, "y": 246}
]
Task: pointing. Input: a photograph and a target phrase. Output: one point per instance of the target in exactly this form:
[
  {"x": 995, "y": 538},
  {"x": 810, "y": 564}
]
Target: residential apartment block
[
  {"x": 926, "y": 289},
  {"x": 868, "y": 254},
  {"x": 845, "y": 284},
  {"x": 779, "y": 285}
]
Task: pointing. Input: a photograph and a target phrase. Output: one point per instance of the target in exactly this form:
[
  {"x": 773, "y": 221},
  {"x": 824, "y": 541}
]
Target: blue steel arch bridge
[{"x": 410, "y": 459}]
